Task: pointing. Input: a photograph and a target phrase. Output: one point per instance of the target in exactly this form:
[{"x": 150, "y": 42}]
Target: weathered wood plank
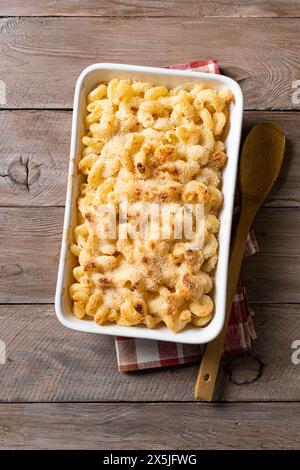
[
  {"x": 47, "y": 362},
  {"x": 32, "y": 237},
  {"x": 34, "y": 151},
  {"x": 274, "y": 273},
  {"x": 147, "y": 426},
  {"x": 277, "y": 327},
  {"x": 28, "y": 261},
  {"x": 42, "y": 57},
  {"x": 193, "y": 8}
]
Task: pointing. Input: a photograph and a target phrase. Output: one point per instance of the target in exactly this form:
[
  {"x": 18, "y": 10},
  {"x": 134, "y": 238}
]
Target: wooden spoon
[{"x": 261, "y": 160}]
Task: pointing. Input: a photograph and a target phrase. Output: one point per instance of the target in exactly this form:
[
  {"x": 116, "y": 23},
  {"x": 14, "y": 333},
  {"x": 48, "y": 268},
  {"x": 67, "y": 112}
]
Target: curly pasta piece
[
  {"x": 202, "y": 307},
  {"x": 149, "y": 111}
]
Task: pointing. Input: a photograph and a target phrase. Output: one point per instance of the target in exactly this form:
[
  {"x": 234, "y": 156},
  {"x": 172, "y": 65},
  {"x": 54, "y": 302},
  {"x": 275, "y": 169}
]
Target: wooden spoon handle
[{"x": 210, "y": 362}]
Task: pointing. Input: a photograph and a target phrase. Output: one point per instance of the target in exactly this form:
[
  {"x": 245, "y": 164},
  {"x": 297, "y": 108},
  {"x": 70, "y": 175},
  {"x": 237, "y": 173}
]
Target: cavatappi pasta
[{"x": 147, "y": 143}]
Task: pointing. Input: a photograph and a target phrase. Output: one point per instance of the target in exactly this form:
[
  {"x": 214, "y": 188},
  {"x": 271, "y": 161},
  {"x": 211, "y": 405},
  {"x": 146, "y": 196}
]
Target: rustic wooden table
[{"x": 62, "y": 389}]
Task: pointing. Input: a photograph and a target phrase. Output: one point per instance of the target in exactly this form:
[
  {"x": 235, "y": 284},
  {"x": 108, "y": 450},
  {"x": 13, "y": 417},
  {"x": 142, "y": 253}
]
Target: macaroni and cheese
[{"x": 148, "y": 144}]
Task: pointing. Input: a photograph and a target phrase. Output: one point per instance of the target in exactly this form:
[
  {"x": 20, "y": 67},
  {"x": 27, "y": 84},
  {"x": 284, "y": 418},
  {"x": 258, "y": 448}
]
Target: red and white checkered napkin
[{"x": 135, "y": 354}]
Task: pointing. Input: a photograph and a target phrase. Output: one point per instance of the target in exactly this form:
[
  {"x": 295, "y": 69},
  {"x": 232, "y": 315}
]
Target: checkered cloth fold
[{"x": 135, "y": 354}]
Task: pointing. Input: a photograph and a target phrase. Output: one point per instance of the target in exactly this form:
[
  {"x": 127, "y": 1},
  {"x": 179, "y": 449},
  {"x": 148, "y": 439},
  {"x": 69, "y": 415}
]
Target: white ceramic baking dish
[{"x": 88, "y": 79}]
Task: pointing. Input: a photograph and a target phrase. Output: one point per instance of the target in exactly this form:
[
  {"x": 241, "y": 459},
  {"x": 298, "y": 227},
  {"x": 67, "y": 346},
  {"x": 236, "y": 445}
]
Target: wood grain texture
[
  {"x": 149, "y": 426},
  {"x": 32, "y": 237},
  {"x": 273, "y": 274},
  {"x": 42, "y": 57},
  {"x": 48, "y": 362},
  {"x": 29, "y": 262},
  {"x": 34, "y": 150},
  {"x": 144, "y": 8}
]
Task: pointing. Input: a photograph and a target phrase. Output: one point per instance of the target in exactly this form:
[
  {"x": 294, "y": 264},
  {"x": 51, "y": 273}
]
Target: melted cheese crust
[{"x": 149, "y": 144}]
